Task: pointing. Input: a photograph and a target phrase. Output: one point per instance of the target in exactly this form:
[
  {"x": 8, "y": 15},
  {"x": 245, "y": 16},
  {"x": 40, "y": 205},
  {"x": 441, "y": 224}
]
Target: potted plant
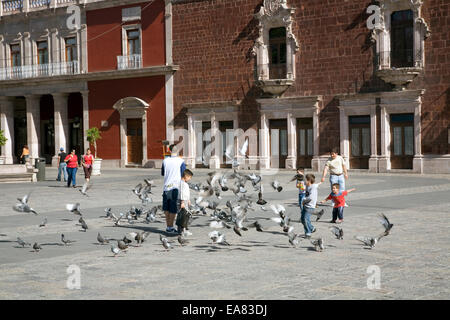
[
  {"x": 93, "y": 134},
  {"x": 3, "y": 140}
]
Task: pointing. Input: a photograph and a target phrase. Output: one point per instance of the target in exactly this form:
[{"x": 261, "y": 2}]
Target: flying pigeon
[
  {"x": 117, "y": 220},
  {"x": 22, "y": 242},
  {"x": 74, "y": 208},
  {"x": 338, "y": 232},
  {"x": 102, "y": 240},
  {"x": 319, "y": 214},
  {"x": 66, "y": 241},
  {"x": 276, "y": 185},
  {"x": 218, "y": 237},
  {"x": 108, "y": 212},
  {"x": 318, "y": 244},
  {"x": 386, "y": 224},
  {"x": 370, "y": 241},
  {"x": 23, "y": 206},
  {"x": 294, "y": 239},
  {"x": 137, "y": 189},
  {"x": 243, "y": 150}
]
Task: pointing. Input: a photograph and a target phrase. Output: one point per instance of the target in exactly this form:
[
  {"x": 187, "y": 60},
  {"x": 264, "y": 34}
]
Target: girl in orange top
[
  {"x": 88, "y": 161},
  {"x": 72, "y": 167}
]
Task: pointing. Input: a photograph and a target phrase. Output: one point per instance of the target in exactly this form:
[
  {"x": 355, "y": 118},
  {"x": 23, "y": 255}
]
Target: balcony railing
[
  {"x": 38, "y": 3},
  {"x": 133, "y": 61},
  {"x": 15, "y": 6},
  {"x": 12, "y": 5},
  {"x": 39, "y": 70},
  {"x": 400, "y": 59}
]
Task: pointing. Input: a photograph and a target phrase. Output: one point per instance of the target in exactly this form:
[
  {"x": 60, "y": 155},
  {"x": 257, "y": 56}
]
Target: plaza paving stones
[{"x": 413, "y": 259}]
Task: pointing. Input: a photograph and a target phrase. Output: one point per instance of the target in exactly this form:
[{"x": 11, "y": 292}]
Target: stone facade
[{"x": 337, "y": 59}]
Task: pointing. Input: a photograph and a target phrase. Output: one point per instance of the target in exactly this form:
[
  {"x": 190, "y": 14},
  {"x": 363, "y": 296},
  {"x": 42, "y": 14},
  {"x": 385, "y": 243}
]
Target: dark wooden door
[
  {"x": 359, "y": 127},
  {"x": 278, "y": 143},
  {"x": 226, "y": 130},
  {"x": 402, "y": 141},
  {"x": 305, "y": 142},
  {"x": 134, "y": 141}
]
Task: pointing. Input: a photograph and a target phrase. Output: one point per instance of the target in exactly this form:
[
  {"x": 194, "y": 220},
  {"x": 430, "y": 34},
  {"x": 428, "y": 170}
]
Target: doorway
[
  {"x": 227, "y": 133},
  {"x": 278, "y": 143},
  {"x": 134, "y": 141},
  {"x": 359, "y": 134},
  {"x": 305, "y": 142},
  {"x": 402, "y": 140}
]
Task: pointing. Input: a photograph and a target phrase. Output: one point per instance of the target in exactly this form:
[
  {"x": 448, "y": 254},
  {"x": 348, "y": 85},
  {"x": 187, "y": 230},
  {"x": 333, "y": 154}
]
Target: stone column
[
  {"x": 373, "y": 160},
  {"x": 7, "y": 125},
  {"x": 61, "y": 124},
  {"x": 33, "y": 126},
  {"x": 418, "y": 157},
  {"x": 315, "y": 162},
  {"x": 190, "y": 160},
  {"x": 214, "y": 161},
  {"x": 384, "y": 163},
  {"x": 83, "y": 58},
  {"x": 264, "y": 140},
  {"x": 291, "y": 161},
  {"x": 343, "y": 128},
  {"x": 123, "y": 141},
  {"x": 85, "y": 95}
]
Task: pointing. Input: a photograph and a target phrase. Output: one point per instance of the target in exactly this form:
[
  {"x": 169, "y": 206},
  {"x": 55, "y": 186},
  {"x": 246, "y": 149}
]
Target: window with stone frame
[
  {"x": 133, "y": 42},
  {"x": 402, "y": 39},
  {"x": 277, "y": 53},
  {"x": 71, "y": 49},
  {"x": 42, "y": 52},
  {"x": 16, "y": 56}
]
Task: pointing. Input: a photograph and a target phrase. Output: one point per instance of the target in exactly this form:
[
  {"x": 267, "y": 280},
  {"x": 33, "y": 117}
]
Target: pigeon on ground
[
  {"x": 108, "y": 212},
  {"x": 386, "y": 224},
  {"x": 261, "y": 201},
  {"x": 43, "y": 223},
  {"x": 141, "y": 236},
  {"x": 129, "y": 237},
  {"x": 276, "y": 185},
  {"x": 294, "y": 239},
  {"x": 195, "y": 187},
  {"x": 22, "y": 242},
  {"x": 101, "y": 239},
  {"x": 66, "y": 241},
  {"x": 74, "y": 208},
  {"x": 37, "y": 247},
  {"x": 115, "y": 250},
  {"x": 338, "y": 232},
  {"x": 84, "y": 226},
  {"x": 370, "y": 241},
  {"x": 318, "y": 244},
  {"x": 182, "y": 241},
  {"x": 165, "y": 242},
  {"x": 219, "y": 224},
  {"x": 122, "y": 245},
  {"x": 85, "y": 188},
  {"x": 151, "y": 215},
  {"x": 23, "y": 206}
]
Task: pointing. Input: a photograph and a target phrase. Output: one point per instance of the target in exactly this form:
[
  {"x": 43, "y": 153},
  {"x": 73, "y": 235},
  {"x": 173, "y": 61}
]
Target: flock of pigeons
[{"x": 232, "y": 215}]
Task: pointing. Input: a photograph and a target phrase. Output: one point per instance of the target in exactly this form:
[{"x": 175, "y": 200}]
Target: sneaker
[
  {"x": 314, "y": 230},
  {"x": 332, "y": 221},
  {"x": 172, "y": 230}
]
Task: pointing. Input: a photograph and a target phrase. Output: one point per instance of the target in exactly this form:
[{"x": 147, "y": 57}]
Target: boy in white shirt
[{"x": 184, "y": 198}]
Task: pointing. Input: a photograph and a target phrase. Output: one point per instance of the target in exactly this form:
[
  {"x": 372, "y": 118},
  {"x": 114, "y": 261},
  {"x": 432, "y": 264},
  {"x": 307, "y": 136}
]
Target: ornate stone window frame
[
  {"x": 400, "y": 77},
  {"x": 274, "y": 14},
  {"x": 131, "y": 108}
]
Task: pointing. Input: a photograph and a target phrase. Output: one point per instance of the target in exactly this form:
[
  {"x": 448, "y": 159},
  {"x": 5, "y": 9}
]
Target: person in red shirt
[
  {"x": 72, "y": 167},
  {"x": 339, "y": 202},
  {"x": 87, "y": 162}
]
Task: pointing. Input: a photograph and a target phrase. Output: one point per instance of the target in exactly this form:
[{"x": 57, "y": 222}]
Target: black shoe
[{"x": 333, "y": 221}]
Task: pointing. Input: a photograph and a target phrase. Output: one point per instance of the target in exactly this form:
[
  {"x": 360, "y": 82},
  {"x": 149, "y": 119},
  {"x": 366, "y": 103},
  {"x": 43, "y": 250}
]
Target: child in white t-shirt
[{"x": 185, "y": 202}]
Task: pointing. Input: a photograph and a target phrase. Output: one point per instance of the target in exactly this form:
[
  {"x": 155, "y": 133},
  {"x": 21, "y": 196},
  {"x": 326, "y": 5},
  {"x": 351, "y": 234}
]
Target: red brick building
[{"x": 316, "y": 75}]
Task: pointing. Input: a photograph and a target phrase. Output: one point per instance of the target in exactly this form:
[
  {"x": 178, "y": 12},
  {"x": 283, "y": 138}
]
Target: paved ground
[{"x": 413, "y": 260}]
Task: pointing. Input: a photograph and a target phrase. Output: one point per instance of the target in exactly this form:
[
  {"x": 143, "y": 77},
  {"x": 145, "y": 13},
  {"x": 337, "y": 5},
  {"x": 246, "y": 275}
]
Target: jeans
[
  {"x": 62, "y": 167},
  {"x": 337, "y": 179},
  {"x": 72, "y": 172},
  {"x": 338, "y": 213},
  {"x": 305, "y": 218},
  {"x": 301, "y": 196}
]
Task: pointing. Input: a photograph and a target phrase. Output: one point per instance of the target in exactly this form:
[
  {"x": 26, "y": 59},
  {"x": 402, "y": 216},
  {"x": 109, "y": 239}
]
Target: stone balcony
[
  {"x": 9, "y": 7},
  {"x": 40, "y": 70}
]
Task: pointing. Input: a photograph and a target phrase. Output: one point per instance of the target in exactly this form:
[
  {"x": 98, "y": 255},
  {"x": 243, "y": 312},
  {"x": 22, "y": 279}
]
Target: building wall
[
  {"x": 212, "y": 43},
  {"x": 104, "y": 94},
  {"x": 104, "y": 44}
]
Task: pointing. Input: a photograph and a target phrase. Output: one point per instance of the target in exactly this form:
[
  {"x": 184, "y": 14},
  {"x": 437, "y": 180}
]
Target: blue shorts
[{"x": 170, "y": 201}]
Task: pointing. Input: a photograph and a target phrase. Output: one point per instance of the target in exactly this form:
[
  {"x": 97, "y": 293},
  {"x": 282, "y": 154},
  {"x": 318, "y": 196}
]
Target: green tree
[
  {"x": 3, "y": 139},
  {"x": 93, "y": 134}
]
